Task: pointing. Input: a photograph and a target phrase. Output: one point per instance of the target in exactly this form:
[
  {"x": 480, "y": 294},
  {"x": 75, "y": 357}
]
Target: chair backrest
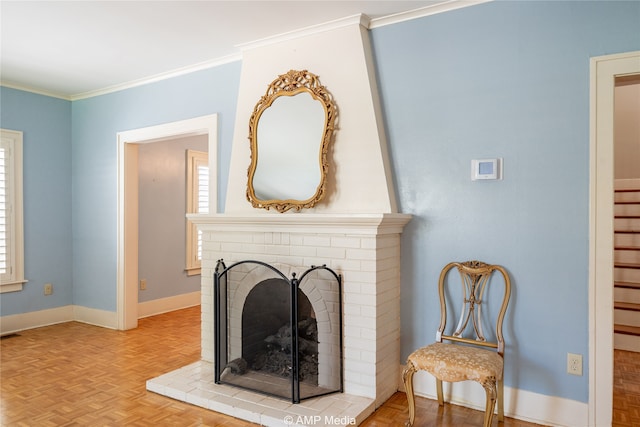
[{"x": 475, "y": 276}]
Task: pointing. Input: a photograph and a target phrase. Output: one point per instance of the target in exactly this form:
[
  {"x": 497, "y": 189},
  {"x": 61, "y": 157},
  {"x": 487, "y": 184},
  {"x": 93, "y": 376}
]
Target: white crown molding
[
  {"x": 359, "y": 19},
  {"x": 445, "y": 6},
  {"x": 364, "y": 21},
  {"x": 128, "y": 85},
  {"x": 159, "y": 77},
  {"x": 17, "y": 86}
]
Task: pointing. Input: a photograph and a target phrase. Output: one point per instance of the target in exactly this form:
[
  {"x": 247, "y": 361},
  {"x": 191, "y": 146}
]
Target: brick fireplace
[
  {"x": 365, "y": 250},
  {"x": 355, "y": 230}
]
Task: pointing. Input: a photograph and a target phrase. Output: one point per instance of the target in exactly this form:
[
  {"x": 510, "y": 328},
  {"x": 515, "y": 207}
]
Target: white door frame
[
  {"x": 127, "y": 240},
  {"x": 604, "y": 70}
]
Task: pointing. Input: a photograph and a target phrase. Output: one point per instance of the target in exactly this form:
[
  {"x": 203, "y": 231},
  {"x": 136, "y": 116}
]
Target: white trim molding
[
  {"x": 165, "y": 305},
  {"x": 92, "y": 316},
  {"x": 159, "y": 77},
  {"x": 51, "y": 316},
  {"x": 351, "y": 224},
  {"x": 603, "y": 72},
  {"x": 445, "y": 6},
  {"x": 519, "y": 404},
  {"x": 365, "y": 21},
  {"x": 96, "y": 317},
  {"x": 127, "y": 228},
  {"x": 35, "y": 319},
  {"x": 12, "y": 278}
]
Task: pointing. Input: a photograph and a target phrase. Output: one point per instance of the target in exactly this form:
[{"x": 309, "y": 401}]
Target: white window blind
[
  {"x": 11, "y": 229},
  {"x": 5, "y": 220},
  {"x": 203, "y": 201},
  {"x": 197, "y": 202}
]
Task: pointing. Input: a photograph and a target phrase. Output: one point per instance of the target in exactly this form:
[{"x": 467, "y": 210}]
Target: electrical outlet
[
  {"x": 574, "y": 364},
  {"x": 48, "y": 289},
  {"x": 143, "y": 284}
]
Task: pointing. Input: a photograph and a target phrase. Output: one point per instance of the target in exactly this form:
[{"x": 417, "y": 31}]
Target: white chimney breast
[
  {"x": 355, "y": 230},
  {"x": 359, "y": 178}
]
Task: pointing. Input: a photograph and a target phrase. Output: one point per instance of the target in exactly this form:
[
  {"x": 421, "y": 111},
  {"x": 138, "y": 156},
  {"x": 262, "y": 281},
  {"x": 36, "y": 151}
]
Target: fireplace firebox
[{"x": 276, "y": 335}]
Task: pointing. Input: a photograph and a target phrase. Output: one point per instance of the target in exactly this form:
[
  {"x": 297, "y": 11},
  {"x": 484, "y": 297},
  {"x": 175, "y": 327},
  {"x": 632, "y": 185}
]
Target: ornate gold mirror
[{"x": 290, "y": 132}]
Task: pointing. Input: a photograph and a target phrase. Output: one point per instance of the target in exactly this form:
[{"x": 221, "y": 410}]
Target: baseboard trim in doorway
[
  {"x": 96, "y": 317},
  {"x": 164, "y": 305}
]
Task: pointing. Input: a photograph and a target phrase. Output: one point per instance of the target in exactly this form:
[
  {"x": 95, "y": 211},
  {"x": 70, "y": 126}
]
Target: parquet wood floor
[
  {"x": 73, "y": 374},
  {"x": 626, "y": 389}
]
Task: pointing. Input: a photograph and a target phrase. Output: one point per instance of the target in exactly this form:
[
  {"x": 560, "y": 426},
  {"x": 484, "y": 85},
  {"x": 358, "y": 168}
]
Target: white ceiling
[{"x": 74, "y": 48}]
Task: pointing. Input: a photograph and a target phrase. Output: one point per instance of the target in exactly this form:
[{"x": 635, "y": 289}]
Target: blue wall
[
  {"x": 96, "y": 121},
  {"x": 501, "y": 79},
  {"x": 46, "y": 126},
  {"x": 162, "y": 231},
  {"x": 511, "y": 80}
]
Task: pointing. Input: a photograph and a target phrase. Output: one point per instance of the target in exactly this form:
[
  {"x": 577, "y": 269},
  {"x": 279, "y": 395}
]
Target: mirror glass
[
  {"x": 290, "y": 131},
  {"x": 289, "y": 166}
]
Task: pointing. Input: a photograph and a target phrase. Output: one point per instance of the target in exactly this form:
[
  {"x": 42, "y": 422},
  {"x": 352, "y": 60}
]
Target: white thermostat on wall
[{"x": 486, "y": 169}]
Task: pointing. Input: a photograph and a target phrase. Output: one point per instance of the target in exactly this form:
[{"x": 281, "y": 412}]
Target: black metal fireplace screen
[{"x": 278, "y": 336}]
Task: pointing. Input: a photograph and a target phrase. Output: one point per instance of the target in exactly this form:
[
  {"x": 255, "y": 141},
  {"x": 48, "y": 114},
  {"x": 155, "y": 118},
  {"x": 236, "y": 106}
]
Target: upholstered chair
[{"x": 464, "y": 353}]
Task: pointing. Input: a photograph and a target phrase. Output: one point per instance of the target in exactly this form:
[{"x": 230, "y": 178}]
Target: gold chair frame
[{"x": 474, "y": 275}]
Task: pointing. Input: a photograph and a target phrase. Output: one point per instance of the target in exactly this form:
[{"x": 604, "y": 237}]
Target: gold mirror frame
[{"x": 291, "y": 84}]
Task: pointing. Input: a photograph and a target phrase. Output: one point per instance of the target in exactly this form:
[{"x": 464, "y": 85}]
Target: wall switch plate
[
  {"x": 574, "y": 364},
  {"x": 48, "y": 289}
]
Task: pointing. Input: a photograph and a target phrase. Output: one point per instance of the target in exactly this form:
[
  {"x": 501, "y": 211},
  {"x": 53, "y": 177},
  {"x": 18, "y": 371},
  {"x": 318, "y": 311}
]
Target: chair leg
[
  {"x": 407, "y": 378},
  {"x": 501, "y": 401},
  {"x": 490, "y": 391},
  {"x": 439, "y": 392}
]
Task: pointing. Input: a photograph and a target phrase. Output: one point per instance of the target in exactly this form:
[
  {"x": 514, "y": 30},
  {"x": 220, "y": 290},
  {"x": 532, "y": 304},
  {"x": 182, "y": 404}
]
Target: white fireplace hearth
[{"x": 365, "y": 250}]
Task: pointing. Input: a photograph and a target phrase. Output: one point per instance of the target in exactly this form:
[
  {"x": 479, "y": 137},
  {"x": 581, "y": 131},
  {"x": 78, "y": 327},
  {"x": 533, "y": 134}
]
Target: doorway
[
  {"x": 127, "y": 221},
  {"x": 627, "y": 215},
  {"x": 604, "y": 71}
]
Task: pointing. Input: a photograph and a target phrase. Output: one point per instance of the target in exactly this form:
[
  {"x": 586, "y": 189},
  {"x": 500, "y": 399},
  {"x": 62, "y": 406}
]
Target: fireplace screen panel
[{"x": 275, "y": 335}]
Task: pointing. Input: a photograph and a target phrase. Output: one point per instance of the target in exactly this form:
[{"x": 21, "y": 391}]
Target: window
[
  {"x": 11, "y": 228},
  {"x": 197, "y": 202}
]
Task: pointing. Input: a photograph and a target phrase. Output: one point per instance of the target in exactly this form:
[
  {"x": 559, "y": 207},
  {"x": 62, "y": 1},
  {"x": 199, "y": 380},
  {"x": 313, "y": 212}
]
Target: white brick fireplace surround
[
  {"x": 365, "y": 249},
  {"x": 355, "y": 231}
]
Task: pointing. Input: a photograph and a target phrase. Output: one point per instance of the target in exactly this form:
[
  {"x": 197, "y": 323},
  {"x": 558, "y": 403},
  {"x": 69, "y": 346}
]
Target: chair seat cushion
[{"x": 453, "y": 362}]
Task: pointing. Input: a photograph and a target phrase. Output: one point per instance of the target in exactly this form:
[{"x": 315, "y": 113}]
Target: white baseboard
[
  {"x": 35, "y": 319},
  {"x": 164, "y": 305},
  {"x": 520, "y": 404},
  {"x": 93, "y": 316},
  {"x": 106, "y": 319},
  {"x": 68, "y": 313}
]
